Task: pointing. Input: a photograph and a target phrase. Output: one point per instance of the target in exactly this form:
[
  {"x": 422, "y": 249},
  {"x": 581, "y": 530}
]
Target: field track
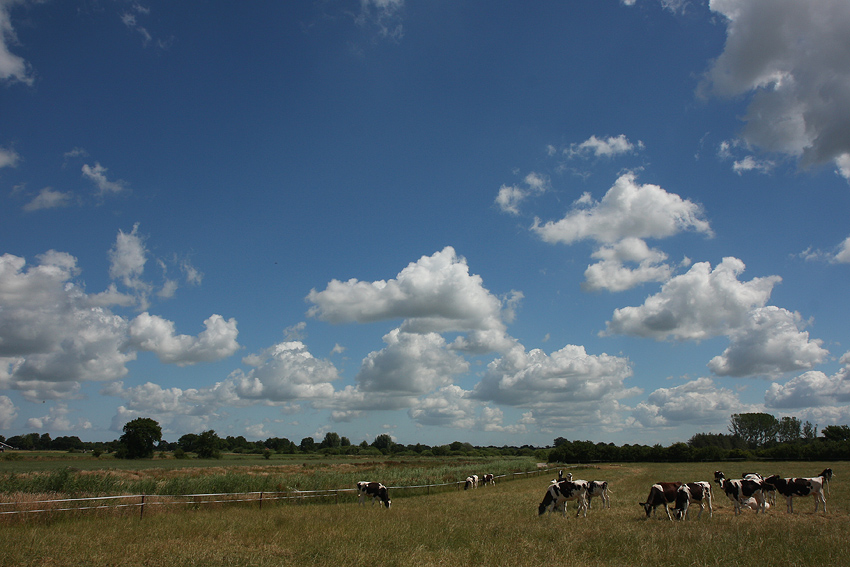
[{"x": 496, "y": 525}]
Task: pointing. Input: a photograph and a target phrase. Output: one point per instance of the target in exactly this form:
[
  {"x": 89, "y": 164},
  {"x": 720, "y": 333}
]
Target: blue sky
[{"x": 495, "y": 222}]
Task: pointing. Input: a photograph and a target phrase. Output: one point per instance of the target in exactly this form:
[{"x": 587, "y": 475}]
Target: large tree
[
  {"x": 757, "y": 429},
  {"x": 208, "y": 445},
  {"x": 140, "y": 437}
]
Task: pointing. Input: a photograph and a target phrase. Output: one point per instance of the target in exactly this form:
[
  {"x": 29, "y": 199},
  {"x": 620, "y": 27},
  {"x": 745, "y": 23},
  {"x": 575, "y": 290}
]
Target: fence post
[
  {"x": 142, "y": 508},
  {"x": 261, "y": 500}
]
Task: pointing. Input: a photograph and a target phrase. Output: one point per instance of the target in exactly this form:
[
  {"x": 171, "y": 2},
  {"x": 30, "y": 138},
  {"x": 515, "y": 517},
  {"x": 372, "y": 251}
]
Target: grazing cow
[
  {"x": 559, "y": 493},
  {"x": 488, "y": 479},
  {"x": 374, "y": 489},
  {"x": 699, "y": 492},
  {"x": 791, "y": 487},
  {"x": 471, "y": 482},
  {"x": 598, "y": 488},
  {"x": 742, "y": 489},
  {"x": 660, "y": 494}
]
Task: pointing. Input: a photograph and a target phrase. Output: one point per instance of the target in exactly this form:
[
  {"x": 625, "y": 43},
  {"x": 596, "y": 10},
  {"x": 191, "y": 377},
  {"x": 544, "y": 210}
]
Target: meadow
[{"x": 494, "y": 525}]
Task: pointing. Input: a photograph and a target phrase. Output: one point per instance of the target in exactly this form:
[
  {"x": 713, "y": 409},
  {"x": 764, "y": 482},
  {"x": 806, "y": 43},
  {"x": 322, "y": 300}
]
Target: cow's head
[{"x": 719, "y": 477}]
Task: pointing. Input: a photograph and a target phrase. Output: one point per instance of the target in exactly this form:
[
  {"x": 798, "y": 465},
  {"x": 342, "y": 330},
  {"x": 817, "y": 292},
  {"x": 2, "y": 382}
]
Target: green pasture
[{"x": 490, "y": 526}]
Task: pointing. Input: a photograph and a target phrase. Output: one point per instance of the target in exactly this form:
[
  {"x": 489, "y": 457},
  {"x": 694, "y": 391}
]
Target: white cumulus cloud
[
  {"x": 793, "y": 58},
  {"x": 155, "y": 334},
  {"x": 435, "y": 294},
  {"x": 628, "y": 210},
  {"x": 699, "y": 401}
]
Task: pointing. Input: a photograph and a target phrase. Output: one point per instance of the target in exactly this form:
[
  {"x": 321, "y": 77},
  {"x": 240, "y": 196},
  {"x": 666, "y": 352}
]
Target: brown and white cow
[
  {"x": 699, "y": 492},
  {"x": 471, "y": 482},
  {"x": 375, "y": 490},
  {"x": 660, "y": 494},
  {"x": 791, "y": 487},
  {"x": 598, "y": 488},
  {"x": 488, "y": 479},
  {"x": 740, "y": 490},
  {"x": 559, "y": 493}
]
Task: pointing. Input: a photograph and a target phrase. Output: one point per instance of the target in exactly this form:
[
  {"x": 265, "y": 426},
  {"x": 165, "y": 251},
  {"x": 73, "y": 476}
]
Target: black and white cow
[
  {"x": 559, "y": 493},
  {"x": 375, "y": 490},
  {"x": 768, "y": 490},
  {"x": 699, "y": 492},
  {"x": 598, "y": 488},
  {"x": 740, "y": 490},
  {"x": 791, "y": 487},
  {"x": 827, "y": 476},
  {"x": 488, "y": 479},
  {"x": 660, "y": 494},
  {"x": 471, "y": 482}
]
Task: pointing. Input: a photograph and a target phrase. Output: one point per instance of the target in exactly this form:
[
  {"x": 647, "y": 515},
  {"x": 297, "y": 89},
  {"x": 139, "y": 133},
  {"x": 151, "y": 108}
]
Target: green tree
[
  {"x": 789, "y": 430},
  {"x": 331, "y": 440},
  {"x": 139, "y": 438},
  {"x": 757, "y": 429},
  {"x": 836, "y": 432},
  {"x": 209, "y": 445},
  {"x": 308, "y": 445},
  {"x": 810, "y": 432},
  {"x": 188, "y": 442},
  {"x": 383, "y": 442}
]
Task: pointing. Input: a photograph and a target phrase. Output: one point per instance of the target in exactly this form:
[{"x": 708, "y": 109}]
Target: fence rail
[{"x": 141, "y": 501}]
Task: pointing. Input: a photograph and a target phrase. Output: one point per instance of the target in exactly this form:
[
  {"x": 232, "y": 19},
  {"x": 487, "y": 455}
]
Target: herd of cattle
[{"x": 752, "y": 491}]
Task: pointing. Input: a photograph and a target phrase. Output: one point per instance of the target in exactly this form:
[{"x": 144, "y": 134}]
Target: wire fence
[{"x": 146, "y": 502}]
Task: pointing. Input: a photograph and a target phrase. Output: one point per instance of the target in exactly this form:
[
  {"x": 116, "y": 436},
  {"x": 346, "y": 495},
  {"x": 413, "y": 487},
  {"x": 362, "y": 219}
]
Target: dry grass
[{"x": 488, "y": 526}]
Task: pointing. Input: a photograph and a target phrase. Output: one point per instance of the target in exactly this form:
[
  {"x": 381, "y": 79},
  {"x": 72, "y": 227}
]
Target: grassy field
[{"x": 496, "y": 526}]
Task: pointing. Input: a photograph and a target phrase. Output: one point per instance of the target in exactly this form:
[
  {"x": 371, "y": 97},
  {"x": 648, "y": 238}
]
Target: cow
[
  {"x": 471, "y": 482},
  {"x": 598, "y": 488},
  {"x": 660, "y": 494},
  {"x": 699, "y": 492},
  {"x": 374, "y": 489},
  {"x": 741, "y": 490},
  {"x": 488, "y": 479},
  {"x": 827, "y": 476},
  {"x": 559, "y": 493},
  {"x": 768, "y": 490},
  {"x": 791, "y": 487},
  {"x": 753, "y": 504}
]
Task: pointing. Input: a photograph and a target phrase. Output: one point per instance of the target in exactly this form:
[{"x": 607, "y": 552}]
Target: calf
[
  {"x": 742, "y": 489},
  {"x": 374, "y": 489},
  {"x": 791, "y": 487},
  {"x": 488, "y": 479},
  {"x": 559, "y": 493},
  {"x": 660, "y": 494},
  {"x": 471, "y": 482},
  {"x": 699, "y": 492},
  {"x": 598, "y": 488}
]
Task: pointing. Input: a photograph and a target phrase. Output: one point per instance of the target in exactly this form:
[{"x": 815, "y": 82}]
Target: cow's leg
[
  {"x": 666, "y": 509},
  {"x": 582, "y": 506}
]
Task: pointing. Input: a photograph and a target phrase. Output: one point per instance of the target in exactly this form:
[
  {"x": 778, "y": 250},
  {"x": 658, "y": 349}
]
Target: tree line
[{"x": 751, "y": 436}]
